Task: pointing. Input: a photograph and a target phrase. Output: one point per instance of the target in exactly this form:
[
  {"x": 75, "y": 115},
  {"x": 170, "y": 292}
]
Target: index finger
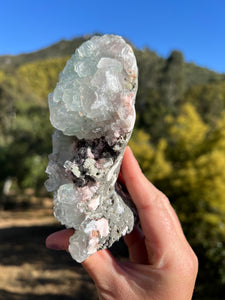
[{"x": 159, "y": 222}]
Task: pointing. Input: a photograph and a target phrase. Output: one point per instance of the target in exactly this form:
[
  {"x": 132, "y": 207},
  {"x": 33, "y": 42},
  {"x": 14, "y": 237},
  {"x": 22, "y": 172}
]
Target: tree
[
  {"x": 151, "y": 158},
  {"x": 172, "y": 80},
  {"x": 196, "y": 186},
  {"x": 42, "y": 75},
  {"x": 25, "y": 134},
  {"x": 189, "y": 167},
  {"x": 209, "y": 100}
]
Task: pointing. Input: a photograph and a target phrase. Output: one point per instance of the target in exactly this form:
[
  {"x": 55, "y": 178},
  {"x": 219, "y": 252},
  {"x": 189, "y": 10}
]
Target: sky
[{"x": 195, "y": 27}]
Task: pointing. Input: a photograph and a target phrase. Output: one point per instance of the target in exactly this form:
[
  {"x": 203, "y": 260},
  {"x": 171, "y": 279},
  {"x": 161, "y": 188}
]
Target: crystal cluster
[{"x": 92, "y": 109}]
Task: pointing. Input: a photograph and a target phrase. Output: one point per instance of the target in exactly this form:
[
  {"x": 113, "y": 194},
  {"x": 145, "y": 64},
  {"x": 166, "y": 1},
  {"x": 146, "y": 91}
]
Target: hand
[{"x": 162, "y": 264}]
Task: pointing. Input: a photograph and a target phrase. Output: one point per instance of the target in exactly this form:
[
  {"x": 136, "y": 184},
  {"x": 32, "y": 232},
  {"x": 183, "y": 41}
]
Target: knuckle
[
  {"x": 191, "y": 264},
  {"x": 162, "y": 200},
  {"x": 195, "y": 262}
]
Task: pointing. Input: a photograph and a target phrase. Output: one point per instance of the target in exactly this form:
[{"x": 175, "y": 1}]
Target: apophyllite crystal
[{"x": 92, "y": 109}]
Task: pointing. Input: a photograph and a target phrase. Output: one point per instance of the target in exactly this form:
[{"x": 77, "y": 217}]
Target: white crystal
[
  {"x": 78, "y": 246},
  {"x": 100, "y": 68},
  {"x": 110, "y": 63},
  {"x": 66, "y": 208},
  {"x": 92, "y": 109}
]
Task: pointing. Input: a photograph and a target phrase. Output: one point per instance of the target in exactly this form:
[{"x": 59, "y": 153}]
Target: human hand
[{"x": 162, "y": 264}]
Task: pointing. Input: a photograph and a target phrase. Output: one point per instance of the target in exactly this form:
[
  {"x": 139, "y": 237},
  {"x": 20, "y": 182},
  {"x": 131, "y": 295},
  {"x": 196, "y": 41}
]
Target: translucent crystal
[
  {"x": 66, "y": 206},
  {"x": 92, "y": 109},
  {"x": 91, "y": 84}
]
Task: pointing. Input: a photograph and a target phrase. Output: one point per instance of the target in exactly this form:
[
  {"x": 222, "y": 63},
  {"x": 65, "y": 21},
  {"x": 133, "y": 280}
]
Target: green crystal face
[{"x": 96, "y": 90}]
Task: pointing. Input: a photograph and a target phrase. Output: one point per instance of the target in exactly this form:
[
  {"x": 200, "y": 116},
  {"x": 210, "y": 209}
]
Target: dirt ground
[{"x": 30, "y": 271}]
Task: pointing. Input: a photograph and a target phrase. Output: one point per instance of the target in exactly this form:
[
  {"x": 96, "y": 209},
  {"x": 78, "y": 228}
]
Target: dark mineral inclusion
[{"x": 92, "y": 109}]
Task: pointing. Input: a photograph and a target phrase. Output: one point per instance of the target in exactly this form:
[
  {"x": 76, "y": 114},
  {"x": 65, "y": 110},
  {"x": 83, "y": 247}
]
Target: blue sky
[{"x": 196, "y": 27}]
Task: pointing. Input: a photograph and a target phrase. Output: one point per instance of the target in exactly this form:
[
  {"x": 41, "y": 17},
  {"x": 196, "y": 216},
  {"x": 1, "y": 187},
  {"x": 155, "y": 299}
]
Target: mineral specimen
[{"x": 92, "y": 109}]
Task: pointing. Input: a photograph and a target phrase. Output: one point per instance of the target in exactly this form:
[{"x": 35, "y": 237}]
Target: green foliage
[
  {"x": 189, "y": 166},
  {"x": 179, "y": 138},
  {"x": 197, "y": 184},
  {"x": 60, "y": 49},
  {"x": 209, "y": 100},
  {"x": 35, "y": 166},
  {"x": 42, "y": 75},
  {"x": 195, "y": 75},
  {"x": 172, "y": 80},
  {"x": 24, "y": 134},
  {"x": 187, "y": 132},
  {"x": 161, "y": 87},
  {"x": 2, "y": 76},
  {"x": 152, "y": 159}
]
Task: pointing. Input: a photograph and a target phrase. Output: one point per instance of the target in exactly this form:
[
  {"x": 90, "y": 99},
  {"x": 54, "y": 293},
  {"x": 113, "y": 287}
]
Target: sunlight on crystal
[{"x": 92, "y": 109}]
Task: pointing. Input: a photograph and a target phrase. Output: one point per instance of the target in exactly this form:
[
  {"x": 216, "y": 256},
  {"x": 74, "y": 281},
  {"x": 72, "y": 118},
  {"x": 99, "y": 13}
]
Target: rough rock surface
[{"x": 92, "y": 109}]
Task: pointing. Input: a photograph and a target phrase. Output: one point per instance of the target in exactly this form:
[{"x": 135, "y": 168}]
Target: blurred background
[{"x": 179, "y": 136}]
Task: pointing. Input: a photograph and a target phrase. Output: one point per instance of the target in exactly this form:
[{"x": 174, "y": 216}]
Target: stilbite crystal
[{"x": 92, "y": 109}]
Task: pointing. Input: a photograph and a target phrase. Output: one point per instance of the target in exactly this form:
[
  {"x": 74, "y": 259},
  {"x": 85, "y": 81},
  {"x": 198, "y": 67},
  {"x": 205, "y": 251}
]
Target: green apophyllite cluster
[
  {"x": 92, "y": 109},
  {"x": 96, "y": 89}
]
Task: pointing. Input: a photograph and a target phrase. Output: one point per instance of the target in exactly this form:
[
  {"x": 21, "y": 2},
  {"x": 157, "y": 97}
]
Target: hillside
[
  {"x": 193, "y": 73},
  {"x": 60, "y": 49}
]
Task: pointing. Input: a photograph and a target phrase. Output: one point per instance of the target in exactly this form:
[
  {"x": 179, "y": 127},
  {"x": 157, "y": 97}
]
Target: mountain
[
  {"x": 60, "y": 49},
  {"x": 193, "y": 74}
]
